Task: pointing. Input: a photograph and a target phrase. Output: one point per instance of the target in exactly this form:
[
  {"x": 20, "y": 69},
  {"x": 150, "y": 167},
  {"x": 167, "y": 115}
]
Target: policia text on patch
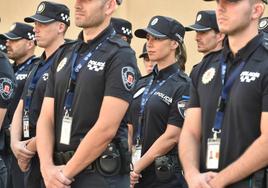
[{"x": 113, "y": 161}]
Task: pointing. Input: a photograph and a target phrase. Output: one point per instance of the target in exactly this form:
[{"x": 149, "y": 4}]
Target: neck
[
  {"x": 54, "y": 46},
  {"x": 169, "y": 60},
  {"x": 92, "y": 32},
  {"x": 239, "y": 40},
  {"x": 23, "y": 59}
]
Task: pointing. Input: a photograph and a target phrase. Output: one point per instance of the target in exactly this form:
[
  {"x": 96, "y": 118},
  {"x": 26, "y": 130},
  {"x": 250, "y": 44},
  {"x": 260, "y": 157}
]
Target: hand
[
  {"x": 216, "y": 183},
  {"x": 24, "y": 165},
  {"x": 20, "y": 151},
  {"x": 201, "y": 180},
  {"x": 134, "y": 178},
  {"x": 54, "y": 177}
]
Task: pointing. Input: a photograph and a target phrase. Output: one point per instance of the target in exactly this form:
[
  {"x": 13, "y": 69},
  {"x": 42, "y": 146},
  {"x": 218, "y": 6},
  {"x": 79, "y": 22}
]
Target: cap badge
[
  {"x": 263, "y": 23},
  {"x": 41, "y": 8},
  {"x": 154, "y": 21},
  {"x": 126, "y": 31},
  {"x": 64, "y": 17},
  {"x": 199, "y": 17},
  {"x": 30, "y": 36},
  {"x": 208, "y": 75},
  {"x": 12, "y": 27}
]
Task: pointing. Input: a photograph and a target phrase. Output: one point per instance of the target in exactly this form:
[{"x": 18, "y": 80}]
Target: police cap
[
  {"x": 122, "y": 27},
  {"x": 163, "y": 27},
  {"x": 48, "y": 12},
  {"x": 205, "y": 21},
  {"x": 144, "y": 51},
  {"x": 263, "y": 24},
  {"x": 119, "y": 2},
  {"x": 18, "y": 31}
]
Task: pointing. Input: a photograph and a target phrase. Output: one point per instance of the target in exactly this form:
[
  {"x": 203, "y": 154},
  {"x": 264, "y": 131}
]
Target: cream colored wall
[{"x": 138, "y": 12}]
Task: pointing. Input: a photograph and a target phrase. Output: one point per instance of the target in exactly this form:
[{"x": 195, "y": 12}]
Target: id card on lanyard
[
  {"x": 66, "y": 129},
  {"x": 214, "y": 144}
]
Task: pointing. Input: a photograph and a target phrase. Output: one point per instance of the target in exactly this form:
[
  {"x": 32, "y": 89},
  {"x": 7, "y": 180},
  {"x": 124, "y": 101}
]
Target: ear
[
  {"x": 220, "y": 36},
  {"x": 110, "y": 6},
  {"x": 30, "y": 44},
  {"x": 257, "y": 10},
  {"x": 174, "y": 44},
  {"x": 62, "y": 27}
]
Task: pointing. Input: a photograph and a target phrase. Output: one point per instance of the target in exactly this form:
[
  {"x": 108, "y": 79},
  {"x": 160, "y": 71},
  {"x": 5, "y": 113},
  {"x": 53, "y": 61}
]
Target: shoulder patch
[
  {"x": 6, "y": 88},
  {"x": 182, "y": 105},
  {"x": 128, "y": 77}
]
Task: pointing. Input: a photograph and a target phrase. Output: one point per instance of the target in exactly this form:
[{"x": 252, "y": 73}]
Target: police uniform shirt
[
  {"x": 38, "y": 93},
  {"x": 247, "y": 99},
  {"x": 21, "y": 78},
  {"x": 111, "y": 71},
  {"x": 162, "y": 107}
]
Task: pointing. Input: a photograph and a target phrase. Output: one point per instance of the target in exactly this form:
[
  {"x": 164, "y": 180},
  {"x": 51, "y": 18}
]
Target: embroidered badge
[
  {"x": 6, "y": 88},
  {"x": 248, "y": 77},
  {"x": 128, "y": 77},
  {"x": 182, "y": 106},
  {"x": 45, "y": 76},
  {"x": 208, "y": 75}
]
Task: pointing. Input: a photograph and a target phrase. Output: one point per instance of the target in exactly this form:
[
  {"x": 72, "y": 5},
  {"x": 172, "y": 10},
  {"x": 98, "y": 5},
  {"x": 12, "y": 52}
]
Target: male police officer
[
  {"x": 7, "y": 89},
  {"x": 225, "y": 130},
  {"x": 51, "y": 22},
  {"x": 20, "y": 48},
  {"x": 208, "y": 37},
  {"x": 123, "y": 28},
  {"x": 87, "y": 96}
]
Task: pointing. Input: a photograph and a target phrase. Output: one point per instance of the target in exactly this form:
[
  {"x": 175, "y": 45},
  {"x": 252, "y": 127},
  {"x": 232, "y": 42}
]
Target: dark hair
[{"x": 181, "y": 55}]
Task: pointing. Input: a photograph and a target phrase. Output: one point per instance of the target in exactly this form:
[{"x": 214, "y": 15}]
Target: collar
[
  {"x": 166, "y": 72},
  {"x": 16, "y": 67},
  {"x": 245, "y": 52}
]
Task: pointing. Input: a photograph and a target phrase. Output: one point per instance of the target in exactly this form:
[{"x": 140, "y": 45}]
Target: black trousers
[
  {"x": 33, "y": 177},
  {"x": 92, "y": 179}
]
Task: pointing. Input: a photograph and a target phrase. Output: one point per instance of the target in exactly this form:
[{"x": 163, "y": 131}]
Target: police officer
[
  {"x": 3, "y": 47},
  {"x": 224, "y": 139},
  {"x": 123, "y": 28},
  {"x": 20, "y": 48},
  {"x": 156, "y": 100},
  {"x": 87, "y": 96},
  {"x": 208, "y": 37},
  {"x": 51, "y": 22},
  {"x": 7, "y": 90}
]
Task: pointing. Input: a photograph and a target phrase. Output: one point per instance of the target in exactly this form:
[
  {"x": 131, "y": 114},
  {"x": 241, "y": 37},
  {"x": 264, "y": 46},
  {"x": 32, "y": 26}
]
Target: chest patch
[
  {"x": 248, "y": 77},
  {"x": 45, "y": 76},
  {"x": 62, "y": 64},
  {"x": 164, "y": 97},
  {"x": 21, "y": 76},
  {"x": 139, "y": 92},
  {"x": 208, "y": 75},
  {"x": 95, "y": 65}
]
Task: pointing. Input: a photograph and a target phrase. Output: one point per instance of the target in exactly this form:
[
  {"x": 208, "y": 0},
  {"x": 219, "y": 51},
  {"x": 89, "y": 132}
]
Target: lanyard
[
  {"x": 76, "y": 68},
  {"x": 144, "y": 99},
  {"x": 25, "y": 65},
  {"x": 37, "y": 72},
  {"x": 225, "y": 92}
]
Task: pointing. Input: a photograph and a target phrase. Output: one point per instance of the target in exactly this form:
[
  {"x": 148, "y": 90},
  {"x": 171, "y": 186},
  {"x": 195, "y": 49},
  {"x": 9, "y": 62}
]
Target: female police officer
[{"x": 158, "y": 101}]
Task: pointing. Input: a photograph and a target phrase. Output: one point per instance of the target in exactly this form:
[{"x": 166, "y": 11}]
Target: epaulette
[
  {"x": 265, "y": 41},
  {"x": 118, "y": 41},
  {"x": 184, "y": 76}
]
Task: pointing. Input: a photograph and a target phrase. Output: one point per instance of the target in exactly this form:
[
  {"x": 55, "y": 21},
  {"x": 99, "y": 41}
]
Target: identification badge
[
  {"x": 26, "y": 127},
  {"x": 213, "y": 153},
  {"x": 136, "y": 153},
  {"x": 66, "y": 130}
]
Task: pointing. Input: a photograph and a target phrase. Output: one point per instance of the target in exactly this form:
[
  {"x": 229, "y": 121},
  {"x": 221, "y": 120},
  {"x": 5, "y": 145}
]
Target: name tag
[
  {"x": 26, "y": 127},
  {"x": 136, "y": 153},
  {"x": 213, "y": 153},
  {"x": 66, "y": 130}
]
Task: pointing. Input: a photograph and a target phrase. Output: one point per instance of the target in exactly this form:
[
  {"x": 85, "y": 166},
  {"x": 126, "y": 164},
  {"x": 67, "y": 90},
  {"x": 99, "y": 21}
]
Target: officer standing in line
[
  {"x": 224, "y": 139},
  {"x": 20, "y": 48},
  {"x": 123, "y": 28},
  {"x": 208, "y": 37},
  {"x": 3, "y": 47},
  {"x": 157, "y": 102},
  {"x": 7, "y": 91},
  {"x": 87, "y": 96},
  {"x": 51, "y": 22}
]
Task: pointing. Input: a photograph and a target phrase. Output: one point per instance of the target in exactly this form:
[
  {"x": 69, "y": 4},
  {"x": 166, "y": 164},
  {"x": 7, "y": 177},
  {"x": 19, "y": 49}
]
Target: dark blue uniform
[
  {"x": 160, "y": 110},
  {"x": 248, "y": 98},
  {"x": 7, "y": 91},
  {"x": 110, "y": 71}
]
